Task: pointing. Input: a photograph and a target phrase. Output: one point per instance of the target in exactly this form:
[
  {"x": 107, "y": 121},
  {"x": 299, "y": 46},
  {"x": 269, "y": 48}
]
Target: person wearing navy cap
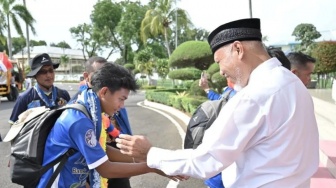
[
  {"x": 268, "y": 130},
  {"x": 44, "y": 93}
]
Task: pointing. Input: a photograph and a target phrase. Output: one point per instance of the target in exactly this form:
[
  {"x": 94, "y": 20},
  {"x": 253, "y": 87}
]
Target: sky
[{"x": 54, "y": 18}]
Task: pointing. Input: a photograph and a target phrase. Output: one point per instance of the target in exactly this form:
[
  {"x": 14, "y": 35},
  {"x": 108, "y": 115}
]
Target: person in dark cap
[
  {"x": 267, "y": 131},
  {"x": 44, "y": 93}
]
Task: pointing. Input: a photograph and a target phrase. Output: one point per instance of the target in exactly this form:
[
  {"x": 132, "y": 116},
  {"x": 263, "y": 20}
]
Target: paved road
[{"x": 162, "y": 132}]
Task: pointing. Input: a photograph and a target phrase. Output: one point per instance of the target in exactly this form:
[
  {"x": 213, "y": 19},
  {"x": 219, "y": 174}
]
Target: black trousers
[{"x": 118, "y": 182}]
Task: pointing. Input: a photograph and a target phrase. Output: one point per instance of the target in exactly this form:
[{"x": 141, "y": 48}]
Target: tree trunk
[
  {"x": 166, "y": 40},
  {"x": 27, "y": 37},
  {"x": 9, "y": 39}
]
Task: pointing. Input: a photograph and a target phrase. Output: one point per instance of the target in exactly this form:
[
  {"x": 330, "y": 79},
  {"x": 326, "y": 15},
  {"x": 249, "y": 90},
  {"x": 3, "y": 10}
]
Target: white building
[{"x": 76, "y": 57}]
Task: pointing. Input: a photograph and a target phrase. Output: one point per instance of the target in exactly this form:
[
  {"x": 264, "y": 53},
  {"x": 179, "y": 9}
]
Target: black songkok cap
[{"x": 245, "y": 29}]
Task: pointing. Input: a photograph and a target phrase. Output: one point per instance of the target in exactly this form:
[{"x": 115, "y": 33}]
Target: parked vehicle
[{"x": 11, "y": 82}]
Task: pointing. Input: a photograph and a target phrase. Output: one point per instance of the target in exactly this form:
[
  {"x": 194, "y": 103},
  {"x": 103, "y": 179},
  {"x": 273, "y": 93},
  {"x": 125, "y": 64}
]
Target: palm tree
[
  {"x": 12, "y": 12},
  {"x": 157, "y": 21},
  {"x": 3, "y": 26},
  {"x": 65, "y": 60}
]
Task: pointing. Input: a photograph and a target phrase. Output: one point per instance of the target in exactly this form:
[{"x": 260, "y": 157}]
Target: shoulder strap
[
  {"x": 62, "y": 159},
  {"x": 226, "y": 96},
  {"x": 79, "y": 107}
]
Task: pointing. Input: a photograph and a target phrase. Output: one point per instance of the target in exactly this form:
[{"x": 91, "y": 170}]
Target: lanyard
[{"x": 43, "y": 96}]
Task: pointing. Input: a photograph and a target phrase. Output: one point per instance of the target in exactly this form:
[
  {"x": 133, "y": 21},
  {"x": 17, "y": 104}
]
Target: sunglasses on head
[{"x": 45, "y": 71}]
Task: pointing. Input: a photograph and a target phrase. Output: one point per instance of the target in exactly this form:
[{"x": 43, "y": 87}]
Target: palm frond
[{"x": 16, "y": 24}]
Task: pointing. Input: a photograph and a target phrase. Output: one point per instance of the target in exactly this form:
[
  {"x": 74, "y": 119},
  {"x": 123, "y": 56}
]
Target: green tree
[
  {"x": 158, "y": 21},
  {"x": 18, "y": 44},
  {"x": 62, "y": 44},
  {"x": 144, "y": 61},
  {"x": 192, "y": 54},
  {"x": 162, "y": 68},
  {"x": 3, "y": 27},
  {"x": 65, "y": 60},
  {"x": 128, "y": 28},
  {"x": 325, "y": 67},
  {"x": 306, "y": 33},
  {"x": 38, "y": 43},
  {"x": 105, "y": 16},
  {"x": 187, "y": 34},
  {"x": 89, "y": 38},
  {"x": 12, "y": 11}
]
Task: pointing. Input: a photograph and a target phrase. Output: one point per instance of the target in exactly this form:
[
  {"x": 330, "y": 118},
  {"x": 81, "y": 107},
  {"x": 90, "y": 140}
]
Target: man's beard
[{"x": 238, "y": 85}]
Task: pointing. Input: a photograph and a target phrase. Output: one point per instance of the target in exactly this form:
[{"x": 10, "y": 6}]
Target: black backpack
[
  {"x": 202, "y": 119},
  {"x": 27, "y": 147}
]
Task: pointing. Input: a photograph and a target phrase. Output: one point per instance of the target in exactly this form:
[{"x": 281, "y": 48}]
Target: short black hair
[
  {"x": 88, "y": 64},
  {"x": 299, "y": 59},
  {"x": 114, "y": 77},
  {"x": 280, "y": 55}
]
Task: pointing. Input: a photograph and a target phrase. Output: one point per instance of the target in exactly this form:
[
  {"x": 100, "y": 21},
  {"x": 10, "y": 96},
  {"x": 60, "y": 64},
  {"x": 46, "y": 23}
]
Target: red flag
[{"x": 4, "y": 58}]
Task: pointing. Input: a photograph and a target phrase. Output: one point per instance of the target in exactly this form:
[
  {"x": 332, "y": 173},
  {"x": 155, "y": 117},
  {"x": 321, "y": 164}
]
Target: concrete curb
[{"x": 182, "y": 116}]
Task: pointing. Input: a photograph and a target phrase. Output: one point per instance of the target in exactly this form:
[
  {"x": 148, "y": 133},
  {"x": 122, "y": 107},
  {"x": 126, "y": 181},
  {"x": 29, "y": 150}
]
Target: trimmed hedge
[
  {"x": 214, "y": 68},
  {"x": 170, "y": 98},
  {"x": 129, "y": 66},
  {"x": 218, "y": 81},
  {"x": 185, "y": 74},
  {"x": 192, "y": 54}
]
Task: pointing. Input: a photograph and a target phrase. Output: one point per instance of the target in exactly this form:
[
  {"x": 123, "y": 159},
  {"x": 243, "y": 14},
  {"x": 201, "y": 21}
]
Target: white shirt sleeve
[{"x": 222, "y": 144}]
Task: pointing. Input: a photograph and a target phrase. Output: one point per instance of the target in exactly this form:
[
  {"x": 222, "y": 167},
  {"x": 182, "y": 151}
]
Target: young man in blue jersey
[
  {"x": 110, "y": 87},
  {"x": 120, "y": 118},
  {"x": 44, "y": 93}
]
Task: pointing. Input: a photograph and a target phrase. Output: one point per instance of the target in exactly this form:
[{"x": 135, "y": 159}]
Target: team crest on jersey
[{"x": 90, "y": 138}]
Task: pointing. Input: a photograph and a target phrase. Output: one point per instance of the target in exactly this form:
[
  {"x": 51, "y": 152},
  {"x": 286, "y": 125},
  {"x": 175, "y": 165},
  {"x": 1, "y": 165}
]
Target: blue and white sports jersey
[{"x": 73, "y": 130}]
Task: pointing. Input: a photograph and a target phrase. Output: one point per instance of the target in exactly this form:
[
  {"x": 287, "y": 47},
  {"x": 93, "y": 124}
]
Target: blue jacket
[{"x": 212, "y": 95}]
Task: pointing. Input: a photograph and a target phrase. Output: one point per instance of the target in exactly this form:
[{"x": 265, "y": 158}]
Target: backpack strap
[
  {"x": 226, "y": 96},
  {"x": 78, "y": 107},
  {"x": 63, "y": 158}
]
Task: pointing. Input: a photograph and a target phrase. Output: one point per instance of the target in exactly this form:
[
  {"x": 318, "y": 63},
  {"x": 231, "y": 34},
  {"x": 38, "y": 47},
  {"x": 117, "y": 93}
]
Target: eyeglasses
[{"x": 45, "y": 71}]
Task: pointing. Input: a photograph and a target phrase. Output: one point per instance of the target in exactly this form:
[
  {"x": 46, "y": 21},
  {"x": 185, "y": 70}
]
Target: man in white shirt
[{"x": 268, "y": 129}]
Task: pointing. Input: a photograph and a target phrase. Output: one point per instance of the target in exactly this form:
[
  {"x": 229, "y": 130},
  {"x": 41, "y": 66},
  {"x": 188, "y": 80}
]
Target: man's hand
[
  {"x": 174, "y": 178},
  {"x": 134, "y": 146},
  {"x": 203, "y": 83}
]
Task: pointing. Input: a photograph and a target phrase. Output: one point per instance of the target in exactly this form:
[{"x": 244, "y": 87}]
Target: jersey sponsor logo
[
  {"x": 90, "y": 138},
  {"x": 81, "y": 161},
  {"x": 79, "y": 171}
]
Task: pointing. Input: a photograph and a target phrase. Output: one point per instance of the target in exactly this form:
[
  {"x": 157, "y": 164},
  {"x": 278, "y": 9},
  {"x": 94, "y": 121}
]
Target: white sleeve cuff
[
  {"x": 153, "y": 160},
  {"x": 98, "y": 162}
]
